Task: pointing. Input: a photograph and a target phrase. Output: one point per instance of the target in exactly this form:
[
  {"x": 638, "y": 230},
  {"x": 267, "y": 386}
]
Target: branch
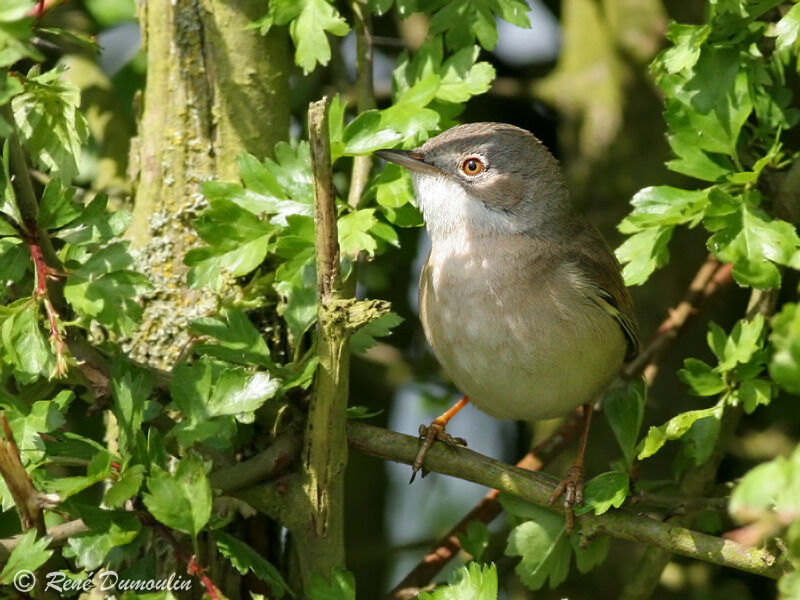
[
  {"x": 319, "y": 528},
  {"x": 28, "y": 500},
  {"x": 362, "y": 165},
  {"x": 271, "y": 463},
  {"x": 709, "y": 278},
  {"x": 537, "y": 488}
]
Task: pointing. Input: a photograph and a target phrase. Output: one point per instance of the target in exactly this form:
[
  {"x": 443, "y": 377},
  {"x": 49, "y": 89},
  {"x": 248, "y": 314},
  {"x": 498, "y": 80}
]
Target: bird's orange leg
[
  {"x": 572, "y": 486},
  {"x": 435, "y": 431}
]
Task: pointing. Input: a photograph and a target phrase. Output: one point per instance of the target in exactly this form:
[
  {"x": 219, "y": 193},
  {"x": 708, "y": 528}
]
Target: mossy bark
[{"x": 214, "y": 90}]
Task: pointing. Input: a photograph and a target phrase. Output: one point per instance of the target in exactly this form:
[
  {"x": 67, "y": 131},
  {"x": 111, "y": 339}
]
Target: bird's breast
[{"x": 513, "y": 332}]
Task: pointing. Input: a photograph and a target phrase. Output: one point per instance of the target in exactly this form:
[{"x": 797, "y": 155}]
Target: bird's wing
[{"x": 603, "y": 272}]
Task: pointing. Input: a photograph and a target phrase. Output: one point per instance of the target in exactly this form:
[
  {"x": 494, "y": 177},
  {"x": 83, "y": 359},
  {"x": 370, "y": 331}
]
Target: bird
[{"x": 521, "y": 299}]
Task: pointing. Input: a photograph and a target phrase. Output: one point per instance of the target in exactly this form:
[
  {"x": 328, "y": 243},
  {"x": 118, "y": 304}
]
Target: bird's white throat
[{"x": 449, "y": 209}]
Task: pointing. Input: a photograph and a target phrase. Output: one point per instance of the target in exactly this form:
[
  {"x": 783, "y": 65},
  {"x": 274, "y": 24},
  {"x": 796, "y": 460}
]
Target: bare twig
[{"x": 362, "y": 165}]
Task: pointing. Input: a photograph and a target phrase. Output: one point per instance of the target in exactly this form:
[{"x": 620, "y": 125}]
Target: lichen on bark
[{"x": 214, "y": 90}]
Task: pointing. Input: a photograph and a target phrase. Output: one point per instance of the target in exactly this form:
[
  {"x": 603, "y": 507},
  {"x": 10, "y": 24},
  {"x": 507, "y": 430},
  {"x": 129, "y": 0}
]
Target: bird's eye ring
[{"x": 472, "y": 166}]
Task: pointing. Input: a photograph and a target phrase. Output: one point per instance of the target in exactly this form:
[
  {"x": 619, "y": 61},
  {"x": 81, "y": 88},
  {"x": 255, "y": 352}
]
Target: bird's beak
[{"x": 408, "y": 159}]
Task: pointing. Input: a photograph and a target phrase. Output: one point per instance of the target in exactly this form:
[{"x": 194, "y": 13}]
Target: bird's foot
[
  {"x": 427, "y": 435},
  {"x": 572, "y": 489}
]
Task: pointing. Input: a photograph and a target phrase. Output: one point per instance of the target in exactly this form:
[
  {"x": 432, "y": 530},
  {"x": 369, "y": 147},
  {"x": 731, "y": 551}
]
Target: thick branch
[{"x": 537, "y": 488}]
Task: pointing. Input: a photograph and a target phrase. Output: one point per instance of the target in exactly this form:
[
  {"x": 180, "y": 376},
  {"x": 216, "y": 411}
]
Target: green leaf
[
  {"x": 14, "y": 10},
  {"x": 664, "y": 205},
  {"x": 237, "y": 339},
  {"x": 208, "y": 389},
  {"x": 15, "y": 34},
  {"x": 14, "y": 259},
  {"x": 770, "y": 488},
  {"x": 749, "y": 238},
  {"x": 98, "y": 470},
  {"x": 709, "y": 105},
  {"x": 784, "y": 366},
  {"x": 296, "y": 283},
  {"x": 130, "y": 389},
  {"x": 624, "y": 409},
  {"x": 592, "y": 555},
  {"x": 644, "y": 252},
  {"x": 674, "y": 429},
  {"x": 308, "y": 20},
  {"x": 125, "y": 487},
  {"x": 701, "y": 378},
  {"x": 542, "y": 543},
  {"x": 108, "y": 530},
  {"x": 110, "y": 13},
  {"x": 111, "y": 299},
  {"x": 28, "y": 555},
  {"x": 461, "y": 77},
  {"x": 50, "y": 123},
  {"x": 24, "y": 344},
  {"x": 95, "y": 225},
  {"x": 341, "y": 585},
  {"x": 181, "y": 500},
  {"x": 367, "y": 133},
  {"x": 44, "y": 417},
  {"x": 354, "y": 234},
  {"x": 57, "y": 208},
  {"x": 361, "y": 412},
  {"x": 470, "y": 582},
  {"x": 475, "y": 540},
  {"x": 787, "y": 29},
  {"x": 753, "y": 393},
  {"x": 364, "y": 338},
  {"x": 687, "y": 40},
  {"x": 738, "y": 347},
  {"x": 245, "y": 559},
  {"x": 603, "y": 492},
  {"x": 393, "y": 186},
  {"x": 698, "y": 442},
  {"x": 464, "y": 22},
  {"x": 238, "y": 244}
]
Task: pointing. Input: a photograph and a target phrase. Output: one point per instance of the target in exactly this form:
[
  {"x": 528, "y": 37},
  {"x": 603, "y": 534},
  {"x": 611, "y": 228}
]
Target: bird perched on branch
[{"x": 521, "y": 299}]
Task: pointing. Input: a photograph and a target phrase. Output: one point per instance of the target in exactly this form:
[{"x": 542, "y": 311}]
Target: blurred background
[{"x": 579, "y": 80}]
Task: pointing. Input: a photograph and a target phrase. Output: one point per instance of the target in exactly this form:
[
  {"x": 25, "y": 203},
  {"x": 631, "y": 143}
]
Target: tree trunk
[{"x": 214, "y": 90}]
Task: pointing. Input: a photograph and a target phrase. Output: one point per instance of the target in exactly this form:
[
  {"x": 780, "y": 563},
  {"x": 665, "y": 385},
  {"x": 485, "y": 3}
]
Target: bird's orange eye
[{"x": 472, "y": 166}]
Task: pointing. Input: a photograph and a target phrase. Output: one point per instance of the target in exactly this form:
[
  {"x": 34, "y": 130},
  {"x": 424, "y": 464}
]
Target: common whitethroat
[{"x": 521, "y": 299}]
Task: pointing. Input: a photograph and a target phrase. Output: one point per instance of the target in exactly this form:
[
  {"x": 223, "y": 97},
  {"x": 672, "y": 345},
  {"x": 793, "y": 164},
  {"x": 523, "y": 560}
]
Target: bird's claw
[
  {"x": 572, "y": 489},
  {"x": 427, "y": 435}
]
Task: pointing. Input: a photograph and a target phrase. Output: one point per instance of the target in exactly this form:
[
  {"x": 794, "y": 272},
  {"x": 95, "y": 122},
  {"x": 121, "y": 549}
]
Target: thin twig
[
  {"x": 537, "y": 488},
  {"x": 362, "y": 165}
]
